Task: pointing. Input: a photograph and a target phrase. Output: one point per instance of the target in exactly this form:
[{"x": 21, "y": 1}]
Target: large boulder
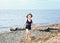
[{"x": 13, "y": 29}]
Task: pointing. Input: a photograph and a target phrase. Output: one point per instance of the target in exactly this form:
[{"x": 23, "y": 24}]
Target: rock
[
  {"x": 19, "y": 36},
  {"x": 13, "y": 29},
  {"x": 55, "y": 39},
  {"x": 16, "y": 28},
  {"x": 36, "y": 37},
  {"x": 41, "y": 28},
  {"x": 54, "y": 26}
]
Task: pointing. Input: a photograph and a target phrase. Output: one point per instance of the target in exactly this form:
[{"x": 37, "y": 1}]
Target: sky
[{"x": 29, "y": 4}]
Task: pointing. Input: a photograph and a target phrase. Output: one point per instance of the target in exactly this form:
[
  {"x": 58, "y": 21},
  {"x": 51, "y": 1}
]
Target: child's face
[{"x": 29, "y": 16}]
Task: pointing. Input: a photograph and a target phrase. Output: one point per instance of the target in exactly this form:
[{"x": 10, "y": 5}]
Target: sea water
[{"x": 17, "y": 17}]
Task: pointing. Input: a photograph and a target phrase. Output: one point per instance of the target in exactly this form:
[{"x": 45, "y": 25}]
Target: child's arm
[
  {"x": 24, "y": 25},
  {"x": 34, "y": 27},
  {"x": 33, "y": 24}
]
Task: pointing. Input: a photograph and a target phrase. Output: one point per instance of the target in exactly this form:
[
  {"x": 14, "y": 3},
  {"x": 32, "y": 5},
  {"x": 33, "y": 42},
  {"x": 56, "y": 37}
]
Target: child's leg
[
  {"x": 26, "y": 33},
  {"x": 29, "y": 34}
]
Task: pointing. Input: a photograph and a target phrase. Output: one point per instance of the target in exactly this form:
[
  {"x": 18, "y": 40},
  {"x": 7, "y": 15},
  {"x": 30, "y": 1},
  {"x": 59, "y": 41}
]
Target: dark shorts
[{"x": 28, "y": 27}]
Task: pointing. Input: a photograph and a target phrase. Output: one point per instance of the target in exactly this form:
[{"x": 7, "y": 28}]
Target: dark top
[{"x": 28, "y": 24}]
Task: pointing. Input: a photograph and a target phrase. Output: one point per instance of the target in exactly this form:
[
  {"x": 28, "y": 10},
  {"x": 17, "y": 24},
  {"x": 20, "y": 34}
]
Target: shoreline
[{"x": 39, "y": 34}]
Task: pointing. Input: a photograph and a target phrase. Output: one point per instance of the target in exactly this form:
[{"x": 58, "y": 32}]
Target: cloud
[{"x": 54, "y": 0}]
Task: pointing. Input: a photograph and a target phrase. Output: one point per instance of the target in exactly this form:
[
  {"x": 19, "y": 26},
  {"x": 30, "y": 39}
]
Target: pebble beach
[{"x": 37, "y": 36}]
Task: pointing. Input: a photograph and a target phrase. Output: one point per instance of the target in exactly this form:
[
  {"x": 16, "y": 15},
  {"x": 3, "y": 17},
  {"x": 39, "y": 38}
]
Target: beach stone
[
  {"x": 37, "y": 36},
  {"x": 55, "y": 39}
]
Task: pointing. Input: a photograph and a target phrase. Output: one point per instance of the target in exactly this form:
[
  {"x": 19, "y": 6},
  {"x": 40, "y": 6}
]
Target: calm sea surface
[{"x": 11, "y": 17}]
